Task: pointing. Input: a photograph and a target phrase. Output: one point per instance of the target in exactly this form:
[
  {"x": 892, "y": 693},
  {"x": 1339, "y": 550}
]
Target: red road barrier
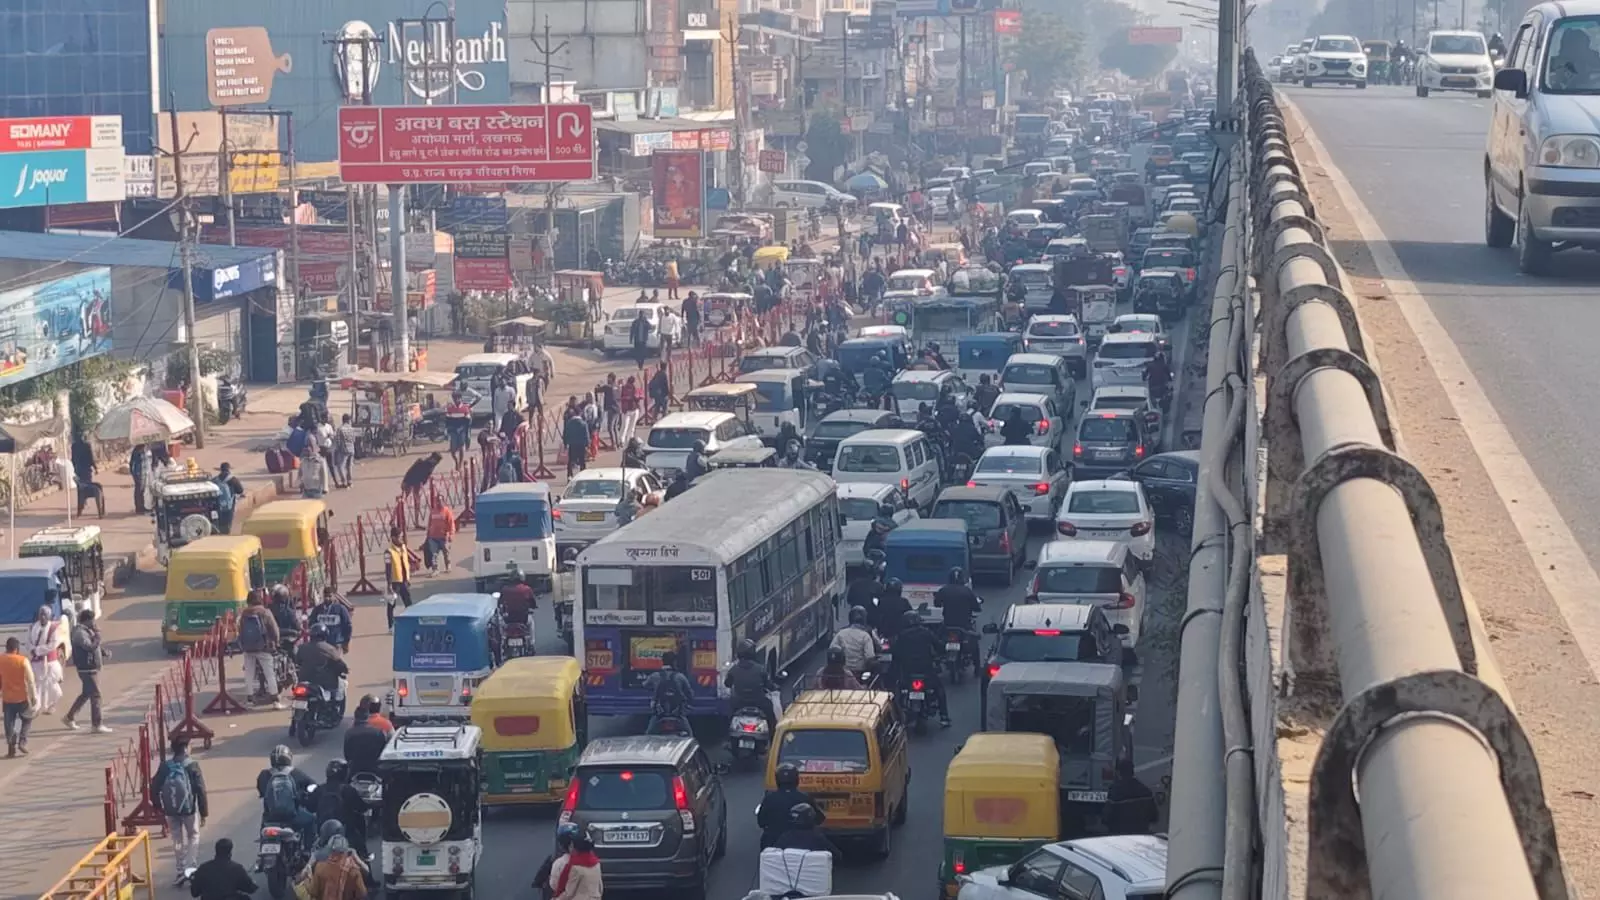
[
  {"x": 190, "y": 728},
  {"x": 363, "y": 586}
]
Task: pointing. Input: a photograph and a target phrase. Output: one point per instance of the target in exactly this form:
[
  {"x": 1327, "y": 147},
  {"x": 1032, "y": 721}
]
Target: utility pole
[
  {"x": 737, "y": 150},
  {"x": 548, "y": 51},
  {"x": 225, "y": 177},
  {"x": 361, "y": 204},
  {"x": 193, "y": 396}
]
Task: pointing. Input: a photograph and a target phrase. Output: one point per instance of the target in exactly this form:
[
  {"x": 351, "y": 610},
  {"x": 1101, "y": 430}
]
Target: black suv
[{"x": 1110, "y": 441}]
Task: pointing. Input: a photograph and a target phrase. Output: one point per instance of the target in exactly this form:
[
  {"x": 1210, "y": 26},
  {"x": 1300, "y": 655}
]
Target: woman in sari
[{"x": 46, "y": 648}]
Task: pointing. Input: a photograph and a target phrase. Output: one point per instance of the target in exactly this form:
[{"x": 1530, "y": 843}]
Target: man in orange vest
[{"x": 18, "y": 694}]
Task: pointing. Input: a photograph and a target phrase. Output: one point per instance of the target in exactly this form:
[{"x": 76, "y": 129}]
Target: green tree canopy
[
  {"x": 826, "y": 144},
  {"x": 1137, "y": 61}
]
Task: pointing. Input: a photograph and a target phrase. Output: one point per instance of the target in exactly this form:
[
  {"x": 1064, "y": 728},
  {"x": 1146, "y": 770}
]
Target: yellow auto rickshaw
[
  {"x": 207, "y": 579},
  {"x": 769, "y": 256},
  {"x": 292, "y": 533},
  {"x": 535, "y": 723},
  {"x": 1002, "y": 801}
]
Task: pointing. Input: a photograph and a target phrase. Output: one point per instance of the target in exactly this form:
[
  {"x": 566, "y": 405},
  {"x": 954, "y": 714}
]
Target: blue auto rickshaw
[
  {"x": 443, "y": 647},
  {"x": 985, "y": 354},
  {"x": 921, "y": 554},
  {"x": 515, "y": 527},
  {"x": 855, "y": 353},
  {"x": 29, "y": 583}
]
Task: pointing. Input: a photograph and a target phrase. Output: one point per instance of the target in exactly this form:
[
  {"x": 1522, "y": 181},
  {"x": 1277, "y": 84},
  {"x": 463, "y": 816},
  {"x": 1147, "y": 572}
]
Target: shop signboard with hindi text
[
  {"x": 254, "y": 166},
  {"x": 1008, "y": 21},
  {"x": 678, "y": 193},
  {"x": 465, "y": 144},
  {"x": 482, "y": 259},
  {"x": 52, "y": 324}
]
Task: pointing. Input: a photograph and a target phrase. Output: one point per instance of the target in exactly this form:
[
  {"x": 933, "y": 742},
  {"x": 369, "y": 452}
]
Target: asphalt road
[{"x": 1417, "y": 165}]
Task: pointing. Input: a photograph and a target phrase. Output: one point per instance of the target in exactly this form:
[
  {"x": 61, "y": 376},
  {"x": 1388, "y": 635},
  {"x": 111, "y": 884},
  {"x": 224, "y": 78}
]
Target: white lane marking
[{"x": 1562, "y": 565}]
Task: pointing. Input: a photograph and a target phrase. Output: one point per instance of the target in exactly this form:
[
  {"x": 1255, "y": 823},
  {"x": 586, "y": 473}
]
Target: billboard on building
[
  {"x": 311, "y": 52},
  {"x": 55, "y": 177},
  {"x": 61, "y": 133},
  {"x": 678, "y": 193},
  {"x": 466, "y": 144},
  {"x": 1155, "y": 35},
  {"x": 254, "y": 165},
  {"x": 54, "y": 323}
]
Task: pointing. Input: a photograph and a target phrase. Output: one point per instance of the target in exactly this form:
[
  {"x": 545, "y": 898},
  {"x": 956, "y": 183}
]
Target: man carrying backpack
[
  {"x": 180, "y": 789},
  {"x": 670, "y": 693},
  {"x": 258, "y": 639},
  {"x": 283, "y": 790}
]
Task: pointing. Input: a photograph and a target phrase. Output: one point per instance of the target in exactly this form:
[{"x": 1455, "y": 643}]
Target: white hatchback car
[
  {"x": 860, "y": 502},
  {"x": 1109, "y": 511},
  {"x": 1115, "y": 867},
  {"x": 1036, "y": 476},
  {"x": 617, "y": 336},
  {"x": 587, "y": 509},
  {"x": 1049, "y": 424},
  {"x": 1455, "y": 61},
  {"x": 808, "y": 194}
]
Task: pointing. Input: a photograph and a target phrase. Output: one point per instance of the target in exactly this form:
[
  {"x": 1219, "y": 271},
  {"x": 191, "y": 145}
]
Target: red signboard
[
  {"x": 1008, "y": 21},
  {"x": 678, "y": 193},
  {"x": 61, "y": 133},
  {"x": 483, "y": 274},
  {"x": 1155, "y": 35},
  {"x": 466, "y": 144},
  {"x": 774, "y": 161}
]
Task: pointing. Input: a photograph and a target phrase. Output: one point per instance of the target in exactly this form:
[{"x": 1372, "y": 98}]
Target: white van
[
  {"x": 478, "y": 370},
  {"x": 898, "y": 456}
]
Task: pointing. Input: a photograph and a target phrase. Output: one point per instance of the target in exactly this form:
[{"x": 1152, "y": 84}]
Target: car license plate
[
  {"x": 299, "y": 704},
  {"x": 630, "y": 836},
  {"x": 916, "y": 695},
  {"x": 514, "y": 642},
  {"x": 747, "y": 743},
  {"x": 1086, "y": 796},
  {"x": 427, "y": 859},
  {"x": 953, "y": 646},
  {"x": 271, "y": 849},
  {"x": 1107, "y": 454},
  {"x": 591, "y": 517},
  {"x": 1463, "y": 82}
]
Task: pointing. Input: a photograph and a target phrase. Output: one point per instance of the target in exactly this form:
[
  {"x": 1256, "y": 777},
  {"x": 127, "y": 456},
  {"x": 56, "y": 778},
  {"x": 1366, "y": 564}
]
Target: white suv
[
  {"x": 1335, "y": 59},
  {"x": 807, "y": 194},
  {"x": 1115, "y": 867},
  {"x": 1455, "y": 61}
]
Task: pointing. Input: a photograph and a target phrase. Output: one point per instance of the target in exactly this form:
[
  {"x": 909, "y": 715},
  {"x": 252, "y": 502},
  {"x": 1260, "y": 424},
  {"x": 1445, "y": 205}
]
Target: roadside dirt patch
[{"x": 1555, "y": 693}]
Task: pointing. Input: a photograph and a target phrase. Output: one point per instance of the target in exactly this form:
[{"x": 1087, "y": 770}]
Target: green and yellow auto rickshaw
[
  {"x": 1002, "y": 801},
  {"x": 206, "y": 580},
  {"x": 292, "y": 533},
  {"x": 1377, "y": 61},
  {"x": 535, "y": 723}
]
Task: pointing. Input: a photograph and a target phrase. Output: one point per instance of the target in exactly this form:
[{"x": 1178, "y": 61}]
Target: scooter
[
  {"x": 231, "y": 399},
  {"x": 748, "y": 735}
]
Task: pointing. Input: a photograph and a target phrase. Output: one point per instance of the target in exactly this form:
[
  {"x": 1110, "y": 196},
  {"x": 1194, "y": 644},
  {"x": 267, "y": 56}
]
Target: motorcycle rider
[
  {"x": 1497, "y": 45},
  {"x": 281, "y": 605},
  {"x": 984, "y": 395},
  {"x": 837, "y": 381},
  {"x": 749, "y": 683},
  {"x": 696, "y": 464},
  {"x": 517, "y": 600},
  {"x": 374, "y": 708},
  {"x": 283, "y": 790},
  {"x": 792, "y": 460},
  {"x": 670, "y": 692},
  {"x": 1131, "y": 806},
  {"x": 363, "y": 743},
  {"x": 893, "y": 609},
  {"x": 834, "y": 676},
  {"x": 320, "y": 663},
  {"x": 334, "y": 615},
  {"x": 916, "y": 655},
  {"x": 862, "y": 592},
  {"x": 961, "y": 605},
  {"x": 339, "y": 801},
  {"x": 1158, "y": 376},
  {"x": 804, "y": 833},
  {"x": 1402, "y": 56},
  {"x": 856, "y": 643},
  {"x": 877, "y": 533},
  {"x": 876, "y": 379},
  {"x": 633, "y": 454},
  {"x": 773, "y": 815}
]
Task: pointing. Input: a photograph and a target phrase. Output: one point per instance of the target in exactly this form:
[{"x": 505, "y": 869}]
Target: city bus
[{"x": 745, "y": 553}]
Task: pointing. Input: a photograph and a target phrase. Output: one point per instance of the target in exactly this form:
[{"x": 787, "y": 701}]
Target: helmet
[
  {"x": 958, "y": 575},
  {"x": 894, "y": 586},
  {"x": 787, "y": 777},
  {"x": 699, "y": 446},
  {"x": 281, "y": 757},
  {"x": 910, "y": 618},
  {"x": 371, "y": 703},
  {"x": 338, "y": 770},
  {"x": 329, "y": 830},
  {"x": 280, "y": 593},
  {"x": 319, "y": 632},
  {"x": 835, "y": 657},
  {"x": 567, "y": 832},
  {"x": 858, "y": 615},
  {"x": 794, "y": 448},
  {"x": 747, "y": 650},
  {"x": 803, "y": 815}
]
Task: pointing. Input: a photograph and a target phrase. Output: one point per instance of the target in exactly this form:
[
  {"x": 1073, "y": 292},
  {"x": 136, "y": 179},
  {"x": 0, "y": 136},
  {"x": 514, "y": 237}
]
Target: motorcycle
[
  {"x": 748, "y": 735},
  {"x": 675, "y": 725},
  {"x": 914, "y": 703},
  {"x": 431, "y": 427},
  {"x": 370, "y": 787},
  {"x": 518, "y": 641},
  {"x": 231, "y": 399},
  {"x": 314, "y": 708},
  {"x": 959, "y": 655},
  {"x": 280, "y": 856}
]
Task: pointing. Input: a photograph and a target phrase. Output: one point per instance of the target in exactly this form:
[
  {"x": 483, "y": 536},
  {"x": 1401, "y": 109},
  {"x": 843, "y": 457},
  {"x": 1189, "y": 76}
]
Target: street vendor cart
[{"x": 387, "y": 406}]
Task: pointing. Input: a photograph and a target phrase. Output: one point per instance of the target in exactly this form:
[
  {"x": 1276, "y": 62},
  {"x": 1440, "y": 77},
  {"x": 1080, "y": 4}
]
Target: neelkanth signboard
[
  {"x": 1155, "y": 35},
  {"x": 496, "y": 143}
]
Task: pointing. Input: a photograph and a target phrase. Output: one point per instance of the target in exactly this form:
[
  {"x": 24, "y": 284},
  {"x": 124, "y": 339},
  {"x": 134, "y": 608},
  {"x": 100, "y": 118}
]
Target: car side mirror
[
  {"x": 991, "y": 628},
  {"x": 1513, "y": 80}
]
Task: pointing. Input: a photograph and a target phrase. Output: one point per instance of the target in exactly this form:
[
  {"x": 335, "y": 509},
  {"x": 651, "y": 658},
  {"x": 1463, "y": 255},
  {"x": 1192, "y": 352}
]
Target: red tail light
[
  {"x": 1138, "y": 452},
  {"x": 555, "y": 513},
  {"x": 1124, "y": 601},
  {"x": 1119, "y": 271},
  {"x": 994, "y": 669},
  {"x": 916, "y": 684},
  {"x": 958, "y": 865},
  {"x": 1067, "y": 528},
  {"x": 972, "y": 484},
  {"x": 570, "y": 804},
  {"x": 300, "y": 691},
  {"x": 905, "y": 484},
  {"x": 680, "y": 794},
  {"x": 1005, "y": 542},
  {"x": 748, "y": 726},
  {"x": 1189, "y": 274},
  {"x": 1077, "y": 449},
  {"x": 1043, "y": 427},
  {"x": 1047, "y": 632},
  {"x": 402, "y": 689},
  {"x": 1140, "y": 529},
  {"x": 1042, "y": 488}
]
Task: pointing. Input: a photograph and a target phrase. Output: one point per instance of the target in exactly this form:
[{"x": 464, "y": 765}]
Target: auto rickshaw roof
[
  {"x": 422, "y": 379},
  {"x": 75, "y": 536},
  {"x": 988, "y": 748},
  {"x": 524, "y": 321},
  {"x": 515, "y": 491},
  {"x": 538, "y": 678},
  {"x": 287, "y": 511},
  {"x": 471, "y": 606},
  {"x": 218, "y": 547},
  {"x": 929, "y": 532}
]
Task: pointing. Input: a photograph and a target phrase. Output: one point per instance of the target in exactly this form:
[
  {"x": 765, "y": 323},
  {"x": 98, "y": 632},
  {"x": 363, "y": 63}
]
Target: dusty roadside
[{"x": 1556, "y": 695}]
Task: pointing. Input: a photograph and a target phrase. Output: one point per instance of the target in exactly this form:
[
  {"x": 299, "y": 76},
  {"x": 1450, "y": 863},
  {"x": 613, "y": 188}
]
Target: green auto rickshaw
[
  {"x": 535, "y": 725},
  {"x": 1377, "y": 61},
  {"x": 1002, "y": 801}
]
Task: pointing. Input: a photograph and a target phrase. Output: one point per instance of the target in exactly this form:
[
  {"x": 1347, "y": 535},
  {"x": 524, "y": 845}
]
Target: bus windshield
[{"x": 653, "y": 595}]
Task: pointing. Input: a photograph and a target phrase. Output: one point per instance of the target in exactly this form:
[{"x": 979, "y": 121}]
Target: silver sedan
[{"x": 1036, "y": 475}]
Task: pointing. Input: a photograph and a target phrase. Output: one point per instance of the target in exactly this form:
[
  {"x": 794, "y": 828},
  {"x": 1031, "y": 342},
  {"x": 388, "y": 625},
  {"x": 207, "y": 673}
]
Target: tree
[
  {"x": 1047, "y": 50},
  {"x": 826, "y": 145},
  {"x": 1137, "y": 61}
]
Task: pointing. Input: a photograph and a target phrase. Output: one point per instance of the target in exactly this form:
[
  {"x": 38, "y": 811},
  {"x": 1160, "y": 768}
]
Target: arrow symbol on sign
[{"x": 575, "y": 129}]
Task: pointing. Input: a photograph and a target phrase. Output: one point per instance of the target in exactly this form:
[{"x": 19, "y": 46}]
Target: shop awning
[{"x": 219, "y": 272}]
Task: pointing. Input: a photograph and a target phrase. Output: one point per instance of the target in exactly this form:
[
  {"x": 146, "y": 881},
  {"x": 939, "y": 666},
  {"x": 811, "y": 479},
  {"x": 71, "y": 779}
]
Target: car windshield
[
  {"x": 675, "y": 438},
  {"x": 858, "y": 509},
  {"x": 593, "y": 489},
  {"x": 624, "y": 790},
  {"x": 1140, "y": 349},
  {"x": 829, "y": 751},
  {"x": 839, "y": 430},
  {"x": 1052, "y": 329},
  {"x": 1080, "y": 580},
  {"x": 1573, "y": 66},
  {"x": 1083, "y": 184},
  {"x": 868, "y": 458},
  {"x": 1010, "y": 464},
  {"x": 1002, "y": 411},
  {"x": 906, "y": 282},
  {"x": 925, "y": 391},
  {"x": 1118, "y": 401},
  {"x": 1471, "y": 44},
  {"x": 1114, "y": 430},
  {"x": 1063, "y": 646},
  {"x": 1104, "y": 503},
  {"x": 1028, "y": 373},
  {"x": 1030, "y": 277},
  {"x": 625, "y": 313},
  {"x": 978, "y": 514}
]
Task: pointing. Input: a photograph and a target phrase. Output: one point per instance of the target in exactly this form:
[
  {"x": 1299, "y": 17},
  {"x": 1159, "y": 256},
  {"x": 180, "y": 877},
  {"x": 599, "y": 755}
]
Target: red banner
[
  {"x": 678, "y": 193},
  {"x": 483, "y": 274},
  {"x": 774, "y": 161},
  {"x": 466, "y": 144},
  {"x": 60, "y": 133},
  {"x": 1155, "y": 35},
  {"x": 1008, "y": 21}
]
